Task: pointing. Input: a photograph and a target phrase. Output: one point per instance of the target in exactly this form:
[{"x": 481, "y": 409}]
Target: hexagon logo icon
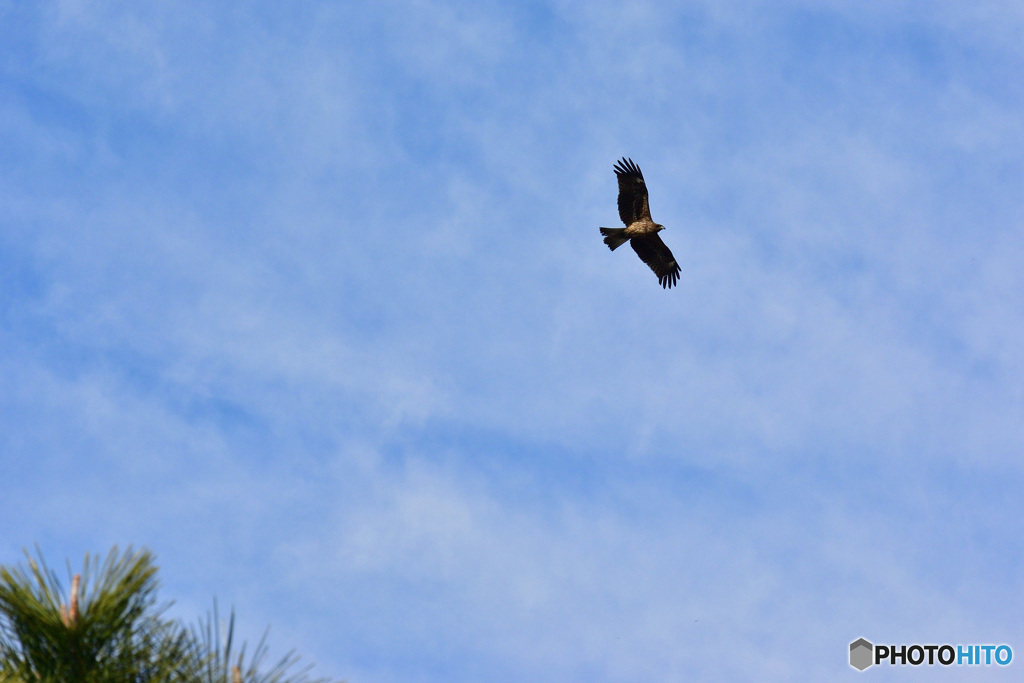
[{"x": 861, "y": 654}]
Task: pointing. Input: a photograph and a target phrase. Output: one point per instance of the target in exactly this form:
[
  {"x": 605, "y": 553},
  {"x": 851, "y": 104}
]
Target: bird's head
[{"x": 658, "y": 227}]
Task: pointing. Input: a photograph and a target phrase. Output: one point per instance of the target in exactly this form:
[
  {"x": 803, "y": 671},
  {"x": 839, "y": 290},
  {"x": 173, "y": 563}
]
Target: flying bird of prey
[{"x": 641, "y": 232}]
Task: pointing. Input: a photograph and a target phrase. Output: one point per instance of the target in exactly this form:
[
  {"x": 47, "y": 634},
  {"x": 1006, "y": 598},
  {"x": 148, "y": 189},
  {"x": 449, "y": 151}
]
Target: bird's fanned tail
[{"x": 614, "y": 237}]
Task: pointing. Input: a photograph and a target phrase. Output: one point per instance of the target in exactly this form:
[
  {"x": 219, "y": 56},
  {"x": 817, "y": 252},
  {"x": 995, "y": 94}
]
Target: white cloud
[{"x": 312, "y": 302}]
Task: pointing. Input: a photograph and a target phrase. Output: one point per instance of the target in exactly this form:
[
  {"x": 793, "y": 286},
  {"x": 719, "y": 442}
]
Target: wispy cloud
[{"x": 311, "y": 302}]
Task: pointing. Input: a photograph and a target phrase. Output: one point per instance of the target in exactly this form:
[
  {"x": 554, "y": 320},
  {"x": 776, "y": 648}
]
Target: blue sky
[{"x": 311, "y": 302}]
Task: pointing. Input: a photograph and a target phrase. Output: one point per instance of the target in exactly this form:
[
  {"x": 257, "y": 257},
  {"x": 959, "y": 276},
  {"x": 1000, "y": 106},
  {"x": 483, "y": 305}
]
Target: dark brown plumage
[{"x": 641, "y": 232}]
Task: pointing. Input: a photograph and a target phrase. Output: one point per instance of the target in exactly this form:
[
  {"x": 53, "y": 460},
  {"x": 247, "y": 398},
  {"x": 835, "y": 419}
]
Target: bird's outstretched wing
[
  {"x": 632, "y": 192},
  {"x": 655, "y": 254}
]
